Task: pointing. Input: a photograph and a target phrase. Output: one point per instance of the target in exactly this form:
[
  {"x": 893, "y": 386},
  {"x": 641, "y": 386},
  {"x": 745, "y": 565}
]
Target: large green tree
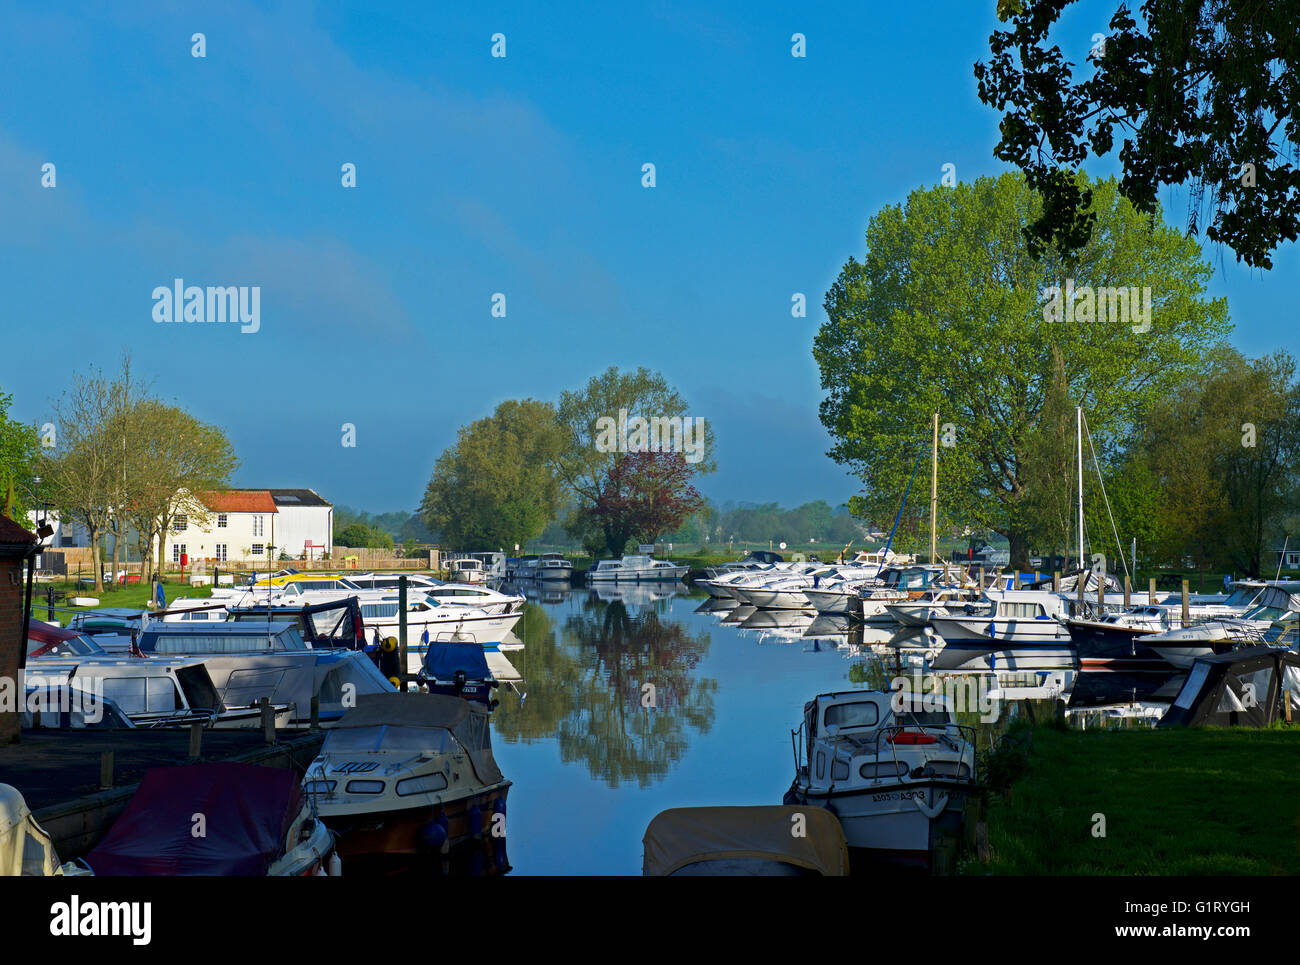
[
  {"x": 587, "y": 463},
  {"x": 1202, "y": 92},
  {"x": 948, "y": 311},
  {"x": 497, "y": 485},
  {"x": 1222, "y": 449}
]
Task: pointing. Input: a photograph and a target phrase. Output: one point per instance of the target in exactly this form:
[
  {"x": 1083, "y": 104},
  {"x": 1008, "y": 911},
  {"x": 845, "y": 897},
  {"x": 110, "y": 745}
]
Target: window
[
  {"x": 178, "y": 550},
  {"x": 258, "y": 549},
  {"x": 864, "y": 714},
  {"x": 65, "y": 541},
  {"x": 221, "y": 520},
  {"x": 221, "y": 550},
  {"x": 180, "y": 523},
  {"x": 257, "y": 525}
]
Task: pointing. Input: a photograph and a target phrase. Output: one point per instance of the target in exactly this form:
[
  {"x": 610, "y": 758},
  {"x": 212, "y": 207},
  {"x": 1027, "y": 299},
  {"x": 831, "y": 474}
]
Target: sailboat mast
[
  {"x": 1079, "y": 432},
  {"x": 934, "y": 488}
]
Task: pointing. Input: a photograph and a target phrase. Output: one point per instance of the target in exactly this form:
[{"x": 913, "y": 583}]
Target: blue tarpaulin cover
[
  {"x": 444, "y": 659},
  {"x": 246, "y": 812}
]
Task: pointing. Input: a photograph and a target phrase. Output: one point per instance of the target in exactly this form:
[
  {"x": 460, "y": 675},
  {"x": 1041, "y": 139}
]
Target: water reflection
[
  {"x": 613, "y": 682},
  {"x": 593, "y": 762}
]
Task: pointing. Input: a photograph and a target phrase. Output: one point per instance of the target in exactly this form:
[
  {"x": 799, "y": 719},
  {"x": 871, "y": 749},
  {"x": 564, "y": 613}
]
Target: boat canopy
[
  {"x": 680, "y": 837},
  {"x": 25, "y": 848},
  {"x": 1281, "y": 596},
  {"x": 247, "y": 811},
  {"x": 1244, "y": 688},
  {"x": 467, "y": 722}
]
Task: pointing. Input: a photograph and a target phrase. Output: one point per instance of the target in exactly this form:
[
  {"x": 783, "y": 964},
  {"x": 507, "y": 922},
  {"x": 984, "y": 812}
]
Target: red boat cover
[{"x": 245, "y": 810}]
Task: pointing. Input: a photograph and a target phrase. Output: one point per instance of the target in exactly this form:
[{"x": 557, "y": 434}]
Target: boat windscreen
[{"x": 388, "y": 737}]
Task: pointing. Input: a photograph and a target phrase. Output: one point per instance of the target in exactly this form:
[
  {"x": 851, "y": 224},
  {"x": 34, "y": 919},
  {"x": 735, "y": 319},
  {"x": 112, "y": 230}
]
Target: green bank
[{"x": 1186, "y": 801}]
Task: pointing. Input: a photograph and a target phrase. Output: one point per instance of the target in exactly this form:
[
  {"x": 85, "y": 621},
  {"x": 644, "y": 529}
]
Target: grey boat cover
[
  {"x": 1284, "y": 596},
  {"x": 1244, "y": 688},
  {"x": 683, "y": 836},
  {"x": 467, "y": 722}
]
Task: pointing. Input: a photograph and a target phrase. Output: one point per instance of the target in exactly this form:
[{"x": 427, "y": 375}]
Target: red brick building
[{"x": 14, "y": 545}]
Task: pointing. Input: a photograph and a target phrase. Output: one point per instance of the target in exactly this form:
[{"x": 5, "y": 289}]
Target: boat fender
[
  {"x": 940, "y": 803},
  {"x": 434, "y": 833},
  {"x": 475, "y": 816},
  {"x": 335, "y": 867}
]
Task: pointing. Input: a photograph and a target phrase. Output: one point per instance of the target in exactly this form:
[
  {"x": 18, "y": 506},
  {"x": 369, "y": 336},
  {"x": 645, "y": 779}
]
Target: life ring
[{"x": 912, "y": 737}]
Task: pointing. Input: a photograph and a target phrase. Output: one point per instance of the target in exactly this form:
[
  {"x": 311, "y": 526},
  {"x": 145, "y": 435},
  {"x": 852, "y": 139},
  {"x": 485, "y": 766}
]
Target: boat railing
[{"x": 966, "y": 735}]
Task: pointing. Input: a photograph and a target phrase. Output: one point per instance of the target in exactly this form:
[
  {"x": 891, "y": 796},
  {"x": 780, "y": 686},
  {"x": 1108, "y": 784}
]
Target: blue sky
[{"x": 478, "y": 175}]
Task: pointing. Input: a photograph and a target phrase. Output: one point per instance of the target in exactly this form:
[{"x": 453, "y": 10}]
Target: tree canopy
[
  {"x": 496, "y": 486},
  {"x": 1203, "y": 92},
  {"x": 948, "y": 312}
]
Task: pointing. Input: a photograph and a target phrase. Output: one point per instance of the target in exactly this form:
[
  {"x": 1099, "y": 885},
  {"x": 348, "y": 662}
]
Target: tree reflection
[{"x": 587, "y": 689}]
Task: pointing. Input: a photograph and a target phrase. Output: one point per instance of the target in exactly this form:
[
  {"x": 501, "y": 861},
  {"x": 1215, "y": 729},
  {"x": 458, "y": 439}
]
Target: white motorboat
[
  {"x": 895, "y": 768},
  {"x": 722, "y": 585},
  {"x": 635, "y": 568},
  {"x": 1025, "y": 629},
  {"x": 466, "y": 570},
  {"x": 796, "y": 592},
  {"x": 250, "y": 661},
  {"x": 404, "y": 776},
  {"x": 1271, "y": 620},
  {"x": 552, "y": 568},
  {"x": 917, "y": 612}
]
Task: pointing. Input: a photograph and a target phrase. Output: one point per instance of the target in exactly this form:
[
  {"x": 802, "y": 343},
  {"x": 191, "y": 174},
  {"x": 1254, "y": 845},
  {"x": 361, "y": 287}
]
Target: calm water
[{"x": 591, "y": 766}]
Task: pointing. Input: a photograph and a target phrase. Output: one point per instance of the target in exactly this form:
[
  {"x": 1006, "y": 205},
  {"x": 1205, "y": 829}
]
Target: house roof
[
  {"x": 298, "y": 497},
  {"x": 11, "y": 534},
  {"x": 239, "y": 501}
]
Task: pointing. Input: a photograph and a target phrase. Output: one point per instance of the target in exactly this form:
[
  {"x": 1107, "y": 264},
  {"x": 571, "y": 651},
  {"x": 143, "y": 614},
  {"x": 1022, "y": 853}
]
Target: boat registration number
[{"x": 899, "y": 796}]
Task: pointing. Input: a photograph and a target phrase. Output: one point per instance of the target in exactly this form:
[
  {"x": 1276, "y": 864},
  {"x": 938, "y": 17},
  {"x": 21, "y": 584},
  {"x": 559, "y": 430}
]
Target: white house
[
  {"x": 252, "y": 526},
  {"x": 304, "y": 522}
]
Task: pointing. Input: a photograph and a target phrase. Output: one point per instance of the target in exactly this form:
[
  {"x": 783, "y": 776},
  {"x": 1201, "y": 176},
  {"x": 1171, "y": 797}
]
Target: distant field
[{"x": 1212, "y": 801}]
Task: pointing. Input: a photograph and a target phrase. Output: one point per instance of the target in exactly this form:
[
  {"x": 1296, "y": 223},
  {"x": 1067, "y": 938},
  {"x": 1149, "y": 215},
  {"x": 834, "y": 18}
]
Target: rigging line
[
  {"x": 1118, "y": 545},
  {"x": 899, "y": 515}
]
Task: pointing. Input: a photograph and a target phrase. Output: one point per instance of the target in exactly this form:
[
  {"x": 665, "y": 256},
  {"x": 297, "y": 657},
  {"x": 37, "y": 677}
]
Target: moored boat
[
  {"x": 409, "y": 776},
  {"x": 895, "y": 769}
]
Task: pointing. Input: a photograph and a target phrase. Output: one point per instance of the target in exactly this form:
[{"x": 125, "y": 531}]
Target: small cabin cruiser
[
  {"x": 73, "y": 682},
  {"x": 468, "y": 570},
  {"x": 409, "y": 775},
  {"x": 250, "y": 661},
  {"x": 458, "y": 670},
  {"x": 1026, "y": 630},
  {"x": 895, "y": 768},
  {"x": 552, "y": 568},
  {"x": 940, "y": 601},
  {"x": 765, "y": 840},
  {"x": 634, "y": 568},
  {"x": 1271, "y": 620}
]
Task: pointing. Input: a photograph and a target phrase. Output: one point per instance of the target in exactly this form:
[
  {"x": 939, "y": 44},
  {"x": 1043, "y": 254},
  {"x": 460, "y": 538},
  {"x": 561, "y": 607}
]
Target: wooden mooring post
[
  {"x": 1187, "y": 615},
  {"x": 1151, "y": 590},
  {"x": 1056, "y": 581},
  {"x": 196, "y": 741},
  {"x": 106, "y": 770},
  {"x": 1128, "y": 592},
  {"x": 268, "y": 720}
]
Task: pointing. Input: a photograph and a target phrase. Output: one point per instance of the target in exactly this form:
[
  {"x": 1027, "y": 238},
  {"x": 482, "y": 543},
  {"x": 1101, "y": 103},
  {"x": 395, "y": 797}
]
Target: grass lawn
[
  {"x": 1213, "y": 801},
  {"x": 134, "y": 596}
]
